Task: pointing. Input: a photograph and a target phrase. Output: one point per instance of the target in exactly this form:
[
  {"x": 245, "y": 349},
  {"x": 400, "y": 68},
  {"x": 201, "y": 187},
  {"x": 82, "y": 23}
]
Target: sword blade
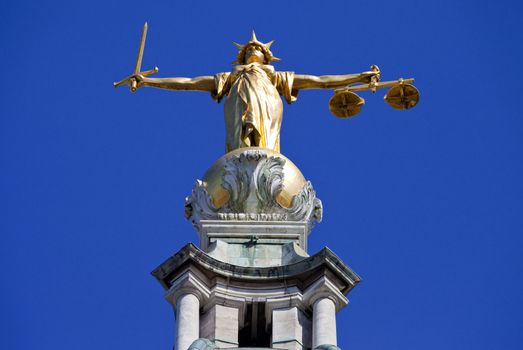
[{"x": 138, "y": 65}]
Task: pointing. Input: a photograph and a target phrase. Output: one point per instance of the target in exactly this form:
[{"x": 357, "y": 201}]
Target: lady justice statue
[{"x": 253, "y": 106}]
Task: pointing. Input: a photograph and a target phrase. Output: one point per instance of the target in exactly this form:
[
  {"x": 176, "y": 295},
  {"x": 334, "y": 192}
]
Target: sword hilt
[{"x": 132, "y": 82}]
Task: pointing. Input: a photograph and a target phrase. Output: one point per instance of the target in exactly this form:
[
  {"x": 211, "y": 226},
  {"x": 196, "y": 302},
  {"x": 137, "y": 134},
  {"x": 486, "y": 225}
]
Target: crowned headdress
[{"x": 265, "y": 48}]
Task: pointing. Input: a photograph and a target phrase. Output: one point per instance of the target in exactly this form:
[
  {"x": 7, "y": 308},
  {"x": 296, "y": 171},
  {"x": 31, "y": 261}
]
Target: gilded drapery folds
[{"x": 253, "y": 107}]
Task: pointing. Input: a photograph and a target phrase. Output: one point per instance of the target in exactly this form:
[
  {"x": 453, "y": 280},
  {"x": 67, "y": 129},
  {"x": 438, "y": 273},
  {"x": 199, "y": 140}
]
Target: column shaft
[
  {"x": 324, "y": 323},
  {"x": 187, "y": 321}
]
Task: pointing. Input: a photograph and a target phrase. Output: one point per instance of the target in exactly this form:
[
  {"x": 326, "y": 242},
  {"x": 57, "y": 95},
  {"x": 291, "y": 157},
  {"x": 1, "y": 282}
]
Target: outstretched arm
[
  {"x": 205, "y": 83},
  {"x": 302, "y": 81}
]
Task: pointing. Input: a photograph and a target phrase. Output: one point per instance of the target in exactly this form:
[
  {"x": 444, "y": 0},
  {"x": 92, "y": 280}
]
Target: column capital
[
  {"x": 188, "y": 283},
  {"x": 324, "y": 288}
]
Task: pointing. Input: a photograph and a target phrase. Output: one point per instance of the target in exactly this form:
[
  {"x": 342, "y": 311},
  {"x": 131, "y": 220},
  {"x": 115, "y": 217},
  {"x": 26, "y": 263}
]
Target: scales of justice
[{"x": 251, "y": 283}]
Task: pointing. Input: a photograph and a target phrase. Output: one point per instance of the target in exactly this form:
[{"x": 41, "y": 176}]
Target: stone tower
[{"x": 251, "y": 283}]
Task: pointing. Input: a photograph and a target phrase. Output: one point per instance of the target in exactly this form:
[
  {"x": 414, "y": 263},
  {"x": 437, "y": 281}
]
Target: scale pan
[
  {"x": 345, "y": 104},
  {"x": 402, "y": 96}
]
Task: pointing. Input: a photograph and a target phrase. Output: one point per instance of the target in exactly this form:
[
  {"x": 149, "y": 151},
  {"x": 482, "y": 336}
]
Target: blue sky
[{"x": 426, "y": 204}]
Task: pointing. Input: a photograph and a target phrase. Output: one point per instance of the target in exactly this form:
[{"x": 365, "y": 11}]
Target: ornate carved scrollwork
[
  {"x": 305, "y": 205},
  {"x": 253, "y": 181},
  {"x": 268, "y": 181},
  {"x": 199, "y": 206}
]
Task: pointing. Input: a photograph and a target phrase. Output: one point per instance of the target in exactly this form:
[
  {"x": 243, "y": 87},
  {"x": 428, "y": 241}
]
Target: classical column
[
  {"x": 187, "y": 321},
  {"x": 323, "y": 322}
]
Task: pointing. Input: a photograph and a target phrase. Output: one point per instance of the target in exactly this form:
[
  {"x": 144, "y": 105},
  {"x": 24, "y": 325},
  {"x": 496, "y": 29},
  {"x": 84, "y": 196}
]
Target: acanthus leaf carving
[
  {"x": 253, "y": 181},
  {"x": 305, "y": 204},
  {"x": 199, "y": 206},
  {"x": 268, "y": 181}
]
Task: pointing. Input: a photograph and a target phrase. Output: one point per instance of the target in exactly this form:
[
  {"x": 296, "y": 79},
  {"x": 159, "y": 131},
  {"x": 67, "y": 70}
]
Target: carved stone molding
[
  {"x": 324, "y": 288},
  {"x": 188, "y": 283}
]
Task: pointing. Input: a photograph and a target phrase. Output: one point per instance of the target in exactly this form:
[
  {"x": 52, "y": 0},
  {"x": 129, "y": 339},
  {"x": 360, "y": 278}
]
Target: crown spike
[{"x": 254, "y": 41}]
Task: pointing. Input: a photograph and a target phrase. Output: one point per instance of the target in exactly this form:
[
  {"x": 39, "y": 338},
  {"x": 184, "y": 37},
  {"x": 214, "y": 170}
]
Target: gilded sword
[{"x": 130, "y": 80}]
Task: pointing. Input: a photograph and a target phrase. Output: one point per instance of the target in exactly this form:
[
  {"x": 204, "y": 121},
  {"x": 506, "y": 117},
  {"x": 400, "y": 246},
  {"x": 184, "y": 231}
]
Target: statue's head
[{"x": 255, "y": 51}]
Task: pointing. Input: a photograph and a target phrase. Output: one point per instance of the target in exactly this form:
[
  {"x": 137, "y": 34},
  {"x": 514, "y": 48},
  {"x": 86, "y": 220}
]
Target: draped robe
[{"x": 253, "y": 104}]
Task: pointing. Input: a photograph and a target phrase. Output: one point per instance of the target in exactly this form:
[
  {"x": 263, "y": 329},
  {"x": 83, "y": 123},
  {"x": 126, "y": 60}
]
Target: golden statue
[{"x": 253, "y": 89}]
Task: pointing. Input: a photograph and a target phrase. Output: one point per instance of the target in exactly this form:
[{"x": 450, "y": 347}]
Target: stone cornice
[{"x": 325, "y": 261}]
